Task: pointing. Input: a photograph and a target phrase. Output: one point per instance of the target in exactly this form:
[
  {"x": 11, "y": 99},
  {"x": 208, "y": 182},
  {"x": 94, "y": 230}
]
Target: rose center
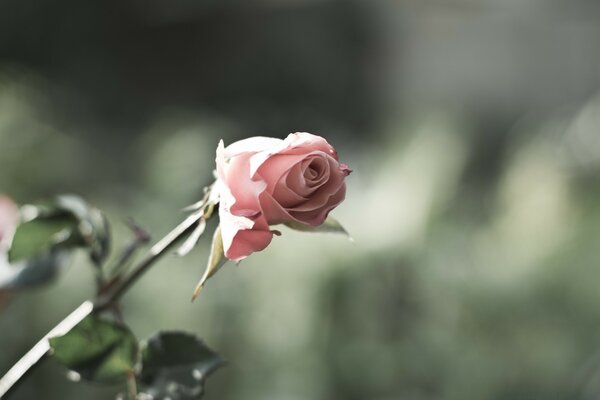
[{"x": 315, "y": 170}]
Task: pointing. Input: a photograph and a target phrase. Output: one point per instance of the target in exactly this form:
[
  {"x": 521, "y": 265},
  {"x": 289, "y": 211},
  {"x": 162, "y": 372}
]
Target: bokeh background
[{"x": 473, "y": 128}]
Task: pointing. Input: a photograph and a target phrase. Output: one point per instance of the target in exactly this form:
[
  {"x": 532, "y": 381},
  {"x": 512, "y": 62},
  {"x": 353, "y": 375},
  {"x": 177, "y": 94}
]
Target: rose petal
[
  {"x": 241, "y": 235},
  {"x": 318, "y": 196},
  {"x": 274, "y": 212},
  {"x": 246, "y": 242},
  {"x": 317, "y": 216},
  {"x": 251, "y": 145},
  {"x": 295, "y": 144},
  {"x": 294, "y": 180},
  {"x": 243, "y": 228},
  {"x": 220, "y": 160},
  {"x": 286, "y": 196},
  {"x": 276, "y": 166},
  {"x": 345, "y": 169},
  {"x": 235, "y": 176},
  {"x": 292, "y": 188},
  {"x": 315, "y": 170},
  {"x": 260, "y": 158},
  {"x": 285, "y": 178},
  {"x": 310, "y": 141}
]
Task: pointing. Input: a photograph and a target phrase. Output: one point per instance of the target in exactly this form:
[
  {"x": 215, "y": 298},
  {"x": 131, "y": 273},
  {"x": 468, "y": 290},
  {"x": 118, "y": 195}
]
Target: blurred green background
[{"x": 473, "y": 128}]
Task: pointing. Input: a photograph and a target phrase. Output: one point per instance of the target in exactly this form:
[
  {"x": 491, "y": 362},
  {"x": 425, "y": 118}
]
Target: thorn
[{"x": 140, "y": 233}]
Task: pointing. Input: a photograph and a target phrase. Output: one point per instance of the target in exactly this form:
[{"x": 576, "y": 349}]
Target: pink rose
[
  {"x": 9, "y": 218},
  {"x": 266, "y": 181}
]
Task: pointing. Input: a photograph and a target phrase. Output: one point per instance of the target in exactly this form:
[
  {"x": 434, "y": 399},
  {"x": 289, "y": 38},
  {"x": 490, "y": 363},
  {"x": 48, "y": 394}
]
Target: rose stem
[{"x": 41, "y": 348}]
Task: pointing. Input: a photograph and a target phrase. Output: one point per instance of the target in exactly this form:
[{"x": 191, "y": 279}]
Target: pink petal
[
  {"x": 316, "y": 170},
  {"x": 242, "y": 235},
  {"x": 309, "y": 141},
  {"x": 274, "y": 212},
  {"x": 251, "y": 145},
  {"x": 286, "y": 196},
  {"x": 234, "y": 174},
  {"x": 246, "y": 242},
  {"x": 345, "y": 169},
  {"x": 317, "y": 216},
  {"x": 295, "y": 144},
  {"x": 276, "y": 166},
  {"x": 321, "y": 194}
]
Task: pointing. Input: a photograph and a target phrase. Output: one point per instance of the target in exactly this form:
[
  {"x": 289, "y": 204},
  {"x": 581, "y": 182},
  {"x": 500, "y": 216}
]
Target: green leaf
[
  {"x": 331, "y": 225},
  {"x": 34, "y": 271},
  {"x": 215, "y": 261},
  {"x": 175, "y": 365},
  {"x": 92, "y": 226},
  {"x": 66, "y": 223},
  {"x": 39, "y": 235},
  {"x": 97, "y": 350}
]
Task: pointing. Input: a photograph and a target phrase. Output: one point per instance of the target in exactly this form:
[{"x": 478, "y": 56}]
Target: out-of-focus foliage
[
  {"x": 66, "y": 222},
  {"x": 472, "y": 130},
  {"x": 97, "y": 350},
  {"x": 45, "y": 237},
  {"x": 175, "y": 366},
  {"x": 171, "y": 365}
]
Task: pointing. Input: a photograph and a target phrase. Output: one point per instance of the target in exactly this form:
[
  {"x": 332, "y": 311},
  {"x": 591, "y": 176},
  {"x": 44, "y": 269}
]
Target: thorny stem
[
  {"x": 37, "y": 353},
  {"x": 117, "y": 271},
  {"x": 140, "y": 238},
  {"x": 154, "y": 254}
]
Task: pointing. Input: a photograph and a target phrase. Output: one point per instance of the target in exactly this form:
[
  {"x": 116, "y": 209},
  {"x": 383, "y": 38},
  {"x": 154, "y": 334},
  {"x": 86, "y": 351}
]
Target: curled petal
[
  {"x": 242, "y": 236},
  {"x": 273, "y": 210},
  {"x": 251, "y": 145},
  {"x": 317, "y": 216},
  {"x": 305, "y": 140},
  {"x": 321, "y": 196},
  {"x": 316, "y": 170},
  {"x": 286, "y": 196},
  {"x": 299, "y": 143},
  {"x": 277, "y": 166},
  {"x": 241, "y": 191},
  {"x": 247, "y": 242},
  {"x": 345, "y": 169}
]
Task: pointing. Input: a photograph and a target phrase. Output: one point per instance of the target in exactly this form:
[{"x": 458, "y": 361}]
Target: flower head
[{"x": 266, "y": 181}]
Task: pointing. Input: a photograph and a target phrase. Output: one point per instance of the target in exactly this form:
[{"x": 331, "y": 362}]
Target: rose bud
[{"x": 266, "y": 181}]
